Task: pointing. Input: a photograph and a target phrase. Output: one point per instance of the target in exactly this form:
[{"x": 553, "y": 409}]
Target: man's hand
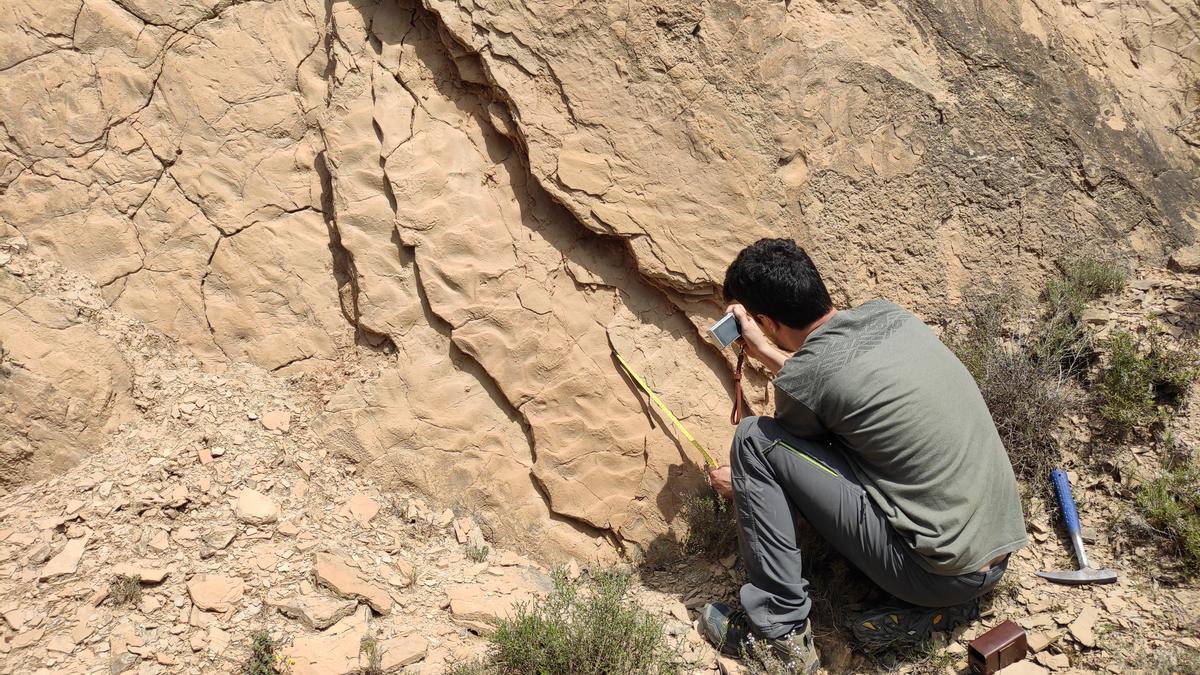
[
  {"x": 721, "y": 480},
  {"x": 756, "y": 343}
]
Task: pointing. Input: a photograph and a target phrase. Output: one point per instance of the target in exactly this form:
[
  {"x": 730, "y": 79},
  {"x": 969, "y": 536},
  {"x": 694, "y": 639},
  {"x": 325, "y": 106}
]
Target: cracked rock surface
[{"x": 439, "y": 215}]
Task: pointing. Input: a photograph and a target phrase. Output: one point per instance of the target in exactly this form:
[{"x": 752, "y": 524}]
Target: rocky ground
[{"x": 217, "y": 496}]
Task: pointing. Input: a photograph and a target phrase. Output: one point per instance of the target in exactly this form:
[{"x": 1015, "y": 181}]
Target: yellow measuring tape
[{"x": 665, "y": 410}]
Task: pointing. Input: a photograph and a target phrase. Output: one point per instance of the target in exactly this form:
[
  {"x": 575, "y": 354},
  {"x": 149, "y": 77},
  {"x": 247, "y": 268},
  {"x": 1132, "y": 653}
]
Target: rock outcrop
[{"x": 481, "y": 200}]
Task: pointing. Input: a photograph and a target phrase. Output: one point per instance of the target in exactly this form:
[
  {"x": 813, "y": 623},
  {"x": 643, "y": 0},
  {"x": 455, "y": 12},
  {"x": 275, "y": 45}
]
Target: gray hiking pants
[{"x": 777, "y": 477}]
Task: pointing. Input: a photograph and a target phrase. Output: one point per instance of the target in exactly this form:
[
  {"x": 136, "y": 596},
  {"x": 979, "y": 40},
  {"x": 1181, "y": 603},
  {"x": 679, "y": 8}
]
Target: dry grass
[
  {"x": 125, "y": 591},
  {"x": 1022, "y": 379}
]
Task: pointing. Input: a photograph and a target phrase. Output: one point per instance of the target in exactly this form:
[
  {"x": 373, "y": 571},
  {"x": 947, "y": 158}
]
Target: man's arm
[{"x": 760, "y": 348}]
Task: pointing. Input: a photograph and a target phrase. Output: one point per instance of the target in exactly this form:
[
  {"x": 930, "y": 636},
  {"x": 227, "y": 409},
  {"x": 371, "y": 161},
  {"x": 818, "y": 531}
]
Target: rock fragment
[
  {"x": 1186, "y": 259},
  {"x": 402, "y": 651},
  {"x": 363, "y": 508},
  {"x": 1082, "y": 628},
  {"x": 27, "y": 638},
  {"x": 277, "y": 420},
  {"x": 66, "y": 562},
  {"x": 315, "y": 611},
  {"x": 255, "y": 508},
  {"x": 219, "y": 537},
  {"x": 215, "y": 593},
  {"x": 332, "y": 652},
  {"x": 345, "y": 580}
]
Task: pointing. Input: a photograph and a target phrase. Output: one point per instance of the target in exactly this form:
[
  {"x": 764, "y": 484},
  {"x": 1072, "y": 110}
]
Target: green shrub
[
  {"x": 1061, "y": 337},
  {"x": 1141, "y": 375},
  {"x": 262, "y": 659},
  {"x": 711, "y": 526},
  {"x": 1170, "y": 503},
  {"x": 1083, "y": 280},
  {"x": 477, "y": 553},
  {"x": 587, "y": 627},
  {"x": 1126, "y": 385},
  {"x": 371, "y": 649}
]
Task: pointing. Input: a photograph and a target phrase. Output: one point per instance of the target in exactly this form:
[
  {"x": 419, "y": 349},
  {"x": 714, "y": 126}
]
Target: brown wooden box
[{"x": 1001, "y": 646}]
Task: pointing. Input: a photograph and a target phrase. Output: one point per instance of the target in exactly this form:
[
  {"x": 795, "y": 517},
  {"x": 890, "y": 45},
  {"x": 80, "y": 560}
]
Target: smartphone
[{"x": 726, "y": 331}]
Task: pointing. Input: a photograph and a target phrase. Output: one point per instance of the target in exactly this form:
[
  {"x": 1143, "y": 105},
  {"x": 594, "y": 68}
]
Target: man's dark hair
[{"x": 776, "y": 277}]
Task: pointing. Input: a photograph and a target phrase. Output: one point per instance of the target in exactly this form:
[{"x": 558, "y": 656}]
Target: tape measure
[{"x": 663, "y": 407}]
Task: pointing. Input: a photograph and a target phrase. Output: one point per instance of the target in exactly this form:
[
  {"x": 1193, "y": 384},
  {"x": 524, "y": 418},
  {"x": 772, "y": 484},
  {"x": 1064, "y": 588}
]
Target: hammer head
[{"x": 1085, "y": 575}]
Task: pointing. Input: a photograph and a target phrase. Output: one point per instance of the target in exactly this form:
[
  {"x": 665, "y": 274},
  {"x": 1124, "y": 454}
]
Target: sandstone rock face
[
  {"x": 481, "y": 200},
  {"x": 63, "y": 386}
]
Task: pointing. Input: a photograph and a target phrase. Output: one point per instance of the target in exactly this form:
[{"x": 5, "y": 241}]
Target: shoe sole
[{"x": 896, "y": 627}]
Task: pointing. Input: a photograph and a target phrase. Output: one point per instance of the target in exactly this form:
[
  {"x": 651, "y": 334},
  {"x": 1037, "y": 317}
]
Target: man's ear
[{"x": 770, "y": 326}]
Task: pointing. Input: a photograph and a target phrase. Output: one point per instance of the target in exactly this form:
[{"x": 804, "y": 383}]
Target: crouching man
[{"x": 881, "y": 441}]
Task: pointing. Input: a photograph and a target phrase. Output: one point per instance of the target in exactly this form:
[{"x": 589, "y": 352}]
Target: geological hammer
[{"x": 1085, "y": 574}]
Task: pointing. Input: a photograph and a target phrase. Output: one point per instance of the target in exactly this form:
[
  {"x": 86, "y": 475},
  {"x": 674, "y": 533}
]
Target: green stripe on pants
[{"x": 820, "y": 465}]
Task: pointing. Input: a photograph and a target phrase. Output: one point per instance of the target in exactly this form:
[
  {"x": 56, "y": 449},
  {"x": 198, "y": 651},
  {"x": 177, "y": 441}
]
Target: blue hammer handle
[
  {"x": 1070, "y": 515},
  {"x": 1066, "y": 500}
]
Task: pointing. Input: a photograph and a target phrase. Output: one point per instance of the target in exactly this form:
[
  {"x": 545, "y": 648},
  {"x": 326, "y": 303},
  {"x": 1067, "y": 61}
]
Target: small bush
[
  {"x": 371, "y": 649},
  {"x": 125, "y": 591},
  {"x": 1083, "y": 280},
  {"x": 477, "y": 553},
  {"x": 1141, "y": 375},
  {"x": 1126, "y": 385},
  {"x": 1061, "y": 337},
  {"x": 262, "y": 660},
  {"x": 1170, "y": 503},
  {"x": 1026, "y": 390},
  {"x": 587, "y": 627},
  {"x": 711, "y": 526}
]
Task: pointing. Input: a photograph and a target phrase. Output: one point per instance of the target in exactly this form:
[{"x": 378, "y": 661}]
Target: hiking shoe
[
  {"x": 729, "y": 631},
  {"x": 907, "y": 625}
]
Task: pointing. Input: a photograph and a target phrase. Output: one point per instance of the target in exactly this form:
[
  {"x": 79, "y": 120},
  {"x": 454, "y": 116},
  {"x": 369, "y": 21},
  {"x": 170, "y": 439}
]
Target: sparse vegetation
[
  {"x": 125, "y": 591},
  {"x": 1162, "y": 660},
  {"x": 585, "y": 627},
  {"x": 1083, "y": 280},
  {"x": 711, "y": 525},
  {"x": 1030, "y": 372},
  {"x": 262, "y": 660},
  {"x": 1020, "y": 377},
  {"x": 661, "y": 553},
  {"x": 1062, "y": 340},
  {"x": 415, "y": 575},
  {"x": 371, "y": 649},
  {"x": 1170, "y": 503},
  {"x": 760, "y": 659},
  {"x": 1141, "y": 376},
  {"x": 477, "y": 553}
]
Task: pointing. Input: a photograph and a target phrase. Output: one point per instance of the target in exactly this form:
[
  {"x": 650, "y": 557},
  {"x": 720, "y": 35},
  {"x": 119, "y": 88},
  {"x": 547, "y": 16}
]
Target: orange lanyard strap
[{"x": 735, "y": 415}]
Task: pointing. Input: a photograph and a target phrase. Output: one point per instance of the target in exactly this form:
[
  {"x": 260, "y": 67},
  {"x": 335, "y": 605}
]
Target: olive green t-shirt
[{"x": 916, "y": 430}]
